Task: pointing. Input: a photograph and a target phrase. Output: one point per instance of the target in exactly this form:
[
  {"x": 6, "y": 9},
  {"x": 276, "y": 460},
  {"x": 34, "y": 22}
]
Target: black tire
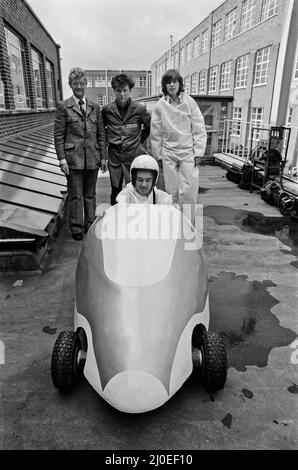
[
  {"x": 214, "y": 365},
  {"x": 66, "y": 370}
]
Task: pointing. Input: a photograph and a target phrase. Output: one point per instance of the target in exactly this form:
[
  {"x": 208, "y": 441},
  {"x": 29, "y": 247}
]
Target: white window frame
[
  {"x": 269, "y": 9},
  {"x": 100, "y": 81},
  {"x": 296, "y": 70},
  {"x": 225, "y": 75},
  {"x": 215, "y": 36},
  {"x": 213, "y": 78},
  {"x": 204, "y": 41},
  {"x": 196, "y": 46},
  {"x": 242, "y": 71},
  {"x": 176, "y": 60},
  {"x": 38, "y": 82},
  {"x": 141, "y": 81},
  {"x": 194, "y": 83},
  {"x": 237, "y": 121},
  {"x": 257, "y": 119},
  {"x": 290, "y": 116},
  {"x": 188, "y": 52},
  {"x": 50, "y": 84},
  {"x": 187, "y": 84},
  {"x": 231, "y": 24},
  {"x": 15, "y": 48},
  {"x": 182, "y": 55},
  {"x": 248, "y": 15},
  {"x": 202, "y": 81},
  {"x": 2, "y": 99},
  {"x": 262, "y": 66}
]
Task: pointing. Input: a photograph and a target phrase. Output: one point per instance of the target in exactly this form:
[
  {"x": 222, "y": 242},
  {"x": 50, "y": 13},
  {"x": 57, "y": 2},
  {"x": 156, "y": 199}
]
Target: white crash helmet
[{"x": 144, "y": 162}]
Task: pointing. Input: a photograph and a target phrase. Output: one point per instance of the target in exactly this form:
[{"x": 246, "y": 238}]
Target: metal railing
[{"x": 237, "y": 137}]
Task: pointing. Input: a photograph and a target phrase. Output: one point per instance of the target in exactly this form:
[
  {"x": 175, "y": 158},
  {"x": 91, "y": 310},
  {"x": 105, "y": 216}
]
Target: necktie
[{"x": 81, "y": 103}]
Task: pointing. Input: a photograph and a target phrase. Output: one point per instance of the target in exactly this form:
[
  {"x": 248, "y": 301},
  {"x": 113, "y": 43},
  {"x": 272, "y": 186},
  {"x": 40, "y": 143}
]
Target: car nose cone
[{"x": 135, "y": 391}]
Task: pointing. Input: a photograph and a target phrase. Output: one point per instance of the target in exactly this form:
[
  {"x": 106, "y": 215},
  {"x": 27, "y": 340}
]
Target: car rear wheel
[
  {"x": 209, "y": 358},
  {"x": 68, "y": 359}
]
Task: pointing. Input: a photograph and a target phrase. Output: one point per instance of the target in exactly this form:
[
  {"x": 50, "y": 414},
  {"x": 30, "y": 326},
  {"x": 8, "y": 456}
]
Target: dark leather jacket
[{"x": 126, "y": 136}]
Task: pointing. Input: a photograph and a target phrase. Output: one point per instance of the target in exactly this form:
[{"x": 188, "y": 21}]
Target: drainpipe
[
  {"x": 58, "y": 47},
  {"x": 107, "y": 91},
  {"x": 283, "y": 74},
  {"x": 209, "y": 58}
]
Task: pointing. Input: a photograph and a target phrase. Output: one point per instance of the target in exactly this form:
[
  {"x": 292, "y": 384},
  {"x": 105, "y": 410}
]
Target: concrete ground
[{"x": 252, "y": 256}]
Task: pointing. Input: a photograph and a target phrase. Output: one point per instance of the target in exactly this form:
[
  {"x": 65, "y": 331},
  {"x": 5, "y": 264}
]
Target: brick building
[
  {"x": 245, "y": 49},
  {"x": 30, "y": 74},
  {"x": 99, "y": 87}
]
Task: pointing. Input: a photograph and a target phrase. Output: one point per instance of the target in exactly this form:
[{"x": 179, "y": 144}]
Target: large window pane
[
  {"x": 2, "y": 103},
  {"x": 50, "y": 84},
  {"x": 16, "y": 59},
  {"x": 36, "y": 61}
]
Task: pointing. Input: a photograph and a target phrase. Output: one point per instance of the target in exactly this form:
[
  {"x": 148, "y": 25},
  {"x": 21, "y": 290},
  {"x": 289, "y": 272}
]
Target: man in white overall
[{"x": 178, "y": 138}]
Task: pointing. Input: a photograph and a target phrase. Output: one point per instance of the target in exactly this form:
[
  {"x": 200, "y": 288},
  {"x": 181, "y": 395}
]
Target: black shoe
[{"x": 77, "y": 236}]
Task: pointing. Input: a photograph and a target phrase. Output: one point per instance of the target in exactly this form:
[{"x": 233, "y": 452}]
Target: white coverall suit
[{"x": 178, "y": 135}]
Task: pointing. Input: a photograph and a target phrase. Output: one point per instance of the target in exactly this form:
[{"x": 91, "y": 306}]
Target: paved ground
[{"x": 252, "y": 255}]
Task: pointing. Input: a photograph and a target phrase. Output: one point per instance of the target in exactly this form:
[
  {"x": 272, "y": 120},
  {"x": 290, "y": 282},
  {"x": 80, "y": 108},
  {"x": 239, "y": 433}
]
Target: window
[
  {"x": 194, "y": 83},
  {"x": 225, "y": 75},
  {"x": 2, "y": 102},
  {"x": 196, "y": 46},
  {"x": 50, "y": 83},
  {"x": 242, "y": 71},
  {"x": 230, "y": 25},
  {"x": 37, "y": 72},
  {"x": 89, "y": 82},
  {"x": 99, "y": 81},
  {"x": 176, "y": 60},
  {"x": 237, "y": 120},
  {"x": 99, "y": 100},
  {"x": 188, "y": 52},
  {"x": 212, "y": 78},
  {"x": 262, "y": 64},
  {"x": 257, "y": 115},
  {"x": 269, "y": 8},
  {"x": 17, "y": 59},
  {"x": 248, "y": 15},
  {"x": 205, "y": 41},
  {"x": 296, "y": 70},
  {"x": 141, "y": 81},
  {"x": 290, "y": 117},
  {"x": 215, "y": 37},
  {"x": 187, "y": 84},
  {"x": 182, "y": 55},
  {"x": 202, "y": 81}
]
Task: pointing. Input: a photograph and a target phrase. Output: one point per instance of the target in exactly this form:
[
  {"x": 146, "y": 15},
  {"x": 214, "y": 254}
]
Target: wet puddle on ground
[
  {"x": 241, "y": 309},
  {"x": 283, "y": 228}
]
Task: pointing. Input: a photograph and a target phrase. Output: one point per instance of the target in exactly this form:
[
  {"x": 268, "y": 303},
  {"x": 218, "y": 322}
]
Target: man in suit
[
  {"x": 81, "y": 149},
  {"x": 127, "y": 126}
]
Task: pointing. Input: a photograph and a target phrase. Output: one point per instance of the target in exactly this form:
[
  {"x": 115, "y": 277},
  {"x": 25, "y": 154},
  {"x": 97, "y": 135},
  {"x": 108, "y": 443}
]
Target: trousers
[
  {"x": 181, "y": 178},
  {"x": 82, "y": 199}
]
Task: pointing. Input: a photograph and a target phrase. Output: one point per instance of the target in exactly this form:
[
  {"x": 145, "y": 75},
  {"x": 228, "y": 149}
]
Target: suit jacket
[
  {"x": 126, "y": 136},
  {"x": 78, "y": 140}
]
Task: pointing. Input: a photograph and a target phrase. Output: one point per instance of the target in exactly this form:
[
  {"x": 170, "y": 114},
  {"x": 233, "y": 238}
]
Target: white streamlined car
[{"x": 141, "y": 312}]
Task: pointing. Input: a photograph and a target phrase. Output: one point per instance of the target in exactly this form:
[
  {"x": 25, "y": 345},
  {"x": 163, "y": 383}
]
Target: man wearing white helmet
[{"x": 144, "y": 172}]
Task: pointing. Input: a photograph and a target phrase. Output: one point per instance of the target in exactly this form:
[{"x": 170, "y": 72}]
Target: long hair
[{"x": 168, "y": 76}]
